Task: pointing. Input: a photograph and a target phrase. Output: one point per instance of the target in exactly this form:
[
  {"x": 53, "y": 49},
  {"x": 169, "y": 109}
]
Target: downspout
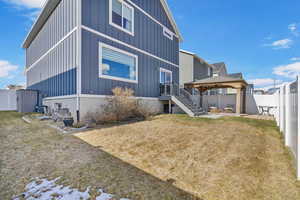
[{"x": 78, "y": 59}]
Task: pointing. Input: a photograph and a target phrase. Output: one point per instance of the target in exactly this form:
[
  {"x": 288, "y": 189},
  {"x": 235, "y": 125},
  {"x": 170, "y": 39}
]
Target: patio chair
[{"x": 229, "y": 108}]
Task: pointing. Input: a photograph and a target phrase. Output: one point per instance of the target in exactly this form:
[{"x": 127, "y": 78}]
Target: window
[
  {"x": 209, "y": 71},
  {"x": 122, "y": 16},
  {"x": 116, "y": 64},
  {"x": 168, "y": 33},
  {"x": 165, "y": 76}
]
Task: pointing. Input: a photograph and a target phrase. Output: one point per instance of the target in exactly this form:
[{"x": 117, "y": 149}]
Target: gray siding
[
  {"x": 60, "y": 23},
  {"x": 55, "y": 74},
  {"x": 148, "y": 71},
  {"x": 156, "y": 10},
  {"x": 148, "y": 34},
  {"x": 201, "y": 70}
]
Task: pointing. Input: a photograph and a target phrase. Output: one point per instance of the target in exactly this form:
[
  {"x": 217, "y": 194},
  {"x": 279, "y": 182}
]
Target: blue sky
[{"x": 260, "y": 38}]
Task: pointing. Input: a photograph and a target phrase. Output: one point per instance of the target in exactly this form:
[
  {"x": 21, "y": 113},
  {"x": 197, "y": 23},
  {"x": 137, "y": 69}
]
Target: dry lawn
[
  {"x": 35, "y": 150},
  {"x": 224, "y": 159}
]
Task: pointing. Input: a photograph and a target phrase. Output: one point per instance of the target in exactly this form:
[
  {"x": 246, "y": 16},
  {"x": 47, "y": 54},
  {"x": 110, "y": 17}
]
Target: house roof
[
  {"x": 171, "y": 18},
  {"x": 47, "y": 9},
  {"x": 50, "y": 5},
  {"x": 236, "y": 75},
  {"x": 195, "y": 56},
  {"x": 218, "y": 66}
]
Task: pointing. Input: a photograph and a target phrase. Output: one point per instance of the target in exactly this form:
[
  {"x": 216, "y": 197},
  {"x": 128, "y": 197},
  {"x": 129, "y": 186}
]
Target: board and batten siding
[
  {"x": 155, "y": 9},
  {"x": 201, "y": 70},
  {"x": 148, "y": 35},
  {"x": 62, "y": 20},
  {"x": 148, "y": 70},
  {"x": 55, "y": 74}
]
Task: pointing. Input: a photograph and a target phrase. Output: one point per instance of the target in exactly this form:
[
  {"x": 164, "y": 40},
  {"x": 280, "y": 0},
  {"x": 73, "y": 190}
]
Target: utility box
[{"x": 27, "y": 100}]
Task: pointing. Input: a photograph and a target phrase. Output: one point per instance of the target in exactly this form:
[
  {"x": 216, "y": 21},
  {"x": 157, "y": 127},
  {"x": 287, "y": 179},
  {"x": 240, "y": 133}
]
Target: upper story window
[
  {"x": 122, "y": 16},
  {"x": 117, "y": 64},
  {"x": 165, "y": 76},
  {"x": 168, "y": 33}
]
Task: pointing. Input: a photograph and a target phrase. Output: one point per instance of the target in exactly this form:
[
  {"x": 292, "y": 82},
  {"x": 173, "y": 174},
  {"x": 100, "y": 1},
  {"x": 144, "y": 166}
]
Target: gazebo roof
[
  {"x": 219, "y": 79},
  {"x": 218, "y": 82}
]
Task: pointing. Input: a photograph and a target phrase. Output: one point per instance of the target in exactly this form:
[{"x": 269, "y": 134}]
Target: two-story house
[
  {"x": 79, "y": 50},
  {"x": 192, "y": 67}
]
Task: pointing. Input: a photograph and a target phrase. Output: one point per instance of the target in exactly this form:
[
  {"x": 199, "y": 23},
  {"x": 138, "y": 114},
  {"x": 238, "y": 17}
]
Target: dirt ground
[
  {"x": 35, "y": 150},
  {"x": 227, "y": 159}
]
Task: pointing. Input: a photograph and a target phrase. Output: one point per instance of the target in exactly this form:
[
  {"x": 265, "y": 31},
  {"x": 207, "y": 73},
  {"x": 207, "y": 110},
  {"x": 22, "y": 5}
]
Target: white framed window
[
  {"x": 121, "y": 16},
  {"x": 169, "y": 34},
  {"x": 116, "y": 64},
  {"x": 166, "y": 76}
]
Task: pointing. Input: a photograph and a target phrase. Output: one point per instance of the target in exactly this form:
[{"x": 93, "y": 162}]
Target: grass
[
  {"x": 229, "y": 158},
  {"x": 35, "y": 150}
]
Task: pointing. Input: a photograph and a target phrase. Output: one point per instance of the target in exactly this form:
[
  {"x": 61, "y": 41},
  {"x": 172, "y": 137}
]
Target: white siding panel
[{"x": 8, "y": 100}]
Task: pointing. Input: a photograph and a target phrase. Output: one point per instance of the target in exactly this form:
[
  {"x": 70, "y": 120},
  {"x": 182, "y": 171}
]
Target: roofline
[
  {"x": 39, "y": 22},
  {"x": 232, "y": 81},
  {"x": 51, "y": 4},
  {"x": 170, "y": 15},
  {"x": 195, "y": 56}
]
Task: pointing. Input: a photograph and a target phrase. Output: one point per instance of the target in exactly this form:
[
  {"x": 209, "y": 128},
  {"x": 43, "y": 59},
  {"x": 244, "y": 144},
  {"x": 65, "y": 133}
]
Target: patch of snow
[
  {"x": 104, "y": 196},
  {"x": 44, "y": 189}
]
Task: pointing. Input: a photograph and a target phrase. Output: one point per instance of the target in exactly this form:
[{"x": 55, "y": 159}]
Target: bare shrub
[{"x": 121, "y": 106}]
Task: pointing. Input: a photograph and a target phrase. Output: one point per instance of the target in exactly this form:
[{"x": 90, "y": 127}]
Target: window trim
[
  {"x": 165, "y": 70},
  {"x": 117, "y": 26},
  {"x": 167, "y": 33},
  {"x": 100, "y": 57}
]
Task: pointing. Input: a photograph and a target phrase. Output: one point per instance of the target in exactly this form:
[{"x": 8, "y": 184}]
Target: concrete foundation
[{"x": 96, "y": 103}]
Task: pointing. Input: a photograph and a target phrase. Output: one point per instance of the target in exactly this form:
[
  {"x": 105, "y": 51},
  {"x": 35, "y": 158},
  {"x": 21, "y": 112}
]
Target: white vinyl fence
[
  {"x": 287, "y": 118},
  {"x": 8, "y": 100},
  {"x": 253, "y": 102}
]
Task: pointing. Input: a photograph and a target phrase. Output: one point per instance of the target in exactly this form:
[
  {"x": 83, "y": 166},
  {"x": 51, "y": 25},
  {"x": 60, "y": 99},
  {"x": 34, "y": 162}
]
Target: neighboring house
[
  {"x": 15, "y": 87},
  {"x": 192, "y": 68},
  {"x": 259, "y": 92},
  {"x": 272, "y": 90},
  {"x": 219, "y": 69},
  {"x": 79, "y": 50}
]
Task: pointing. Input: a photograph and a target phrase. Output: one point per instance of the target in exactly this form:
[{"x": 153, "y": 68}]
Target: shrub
[{"x": 121, "y": 106}]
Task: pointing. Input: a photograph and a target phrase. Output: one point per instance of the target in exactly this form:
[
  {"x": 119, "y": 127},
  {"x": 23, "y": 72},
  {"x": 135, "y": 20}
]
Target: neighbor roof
[
  {"x": 236, "y": 75},
  {"x": 50, "y": 5},
  {"x": 195, "y": 56},
  {"x": 218, "y": 66}
]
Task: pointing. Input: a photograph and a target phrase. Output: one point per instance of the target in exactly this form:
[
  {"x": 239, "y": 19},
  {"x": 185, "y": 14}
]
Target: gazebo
[{"x": 219, "y": 82}]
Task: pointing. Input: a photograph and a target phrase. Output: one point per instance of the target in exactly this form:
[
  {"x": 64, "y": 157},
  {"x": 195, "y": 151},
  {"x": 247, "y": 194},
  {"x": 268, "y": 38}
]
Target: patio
[{"x": 221, "y": 82}]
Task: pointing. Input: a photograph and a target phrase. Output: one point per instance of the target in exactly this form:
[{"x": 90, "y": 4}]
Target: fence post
[
  {"x": 298, "y": 130},
  {"x": 277, "y": 96},
  {"x": 281, "y": 109},
  {"x": 288, "y": 120}
]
